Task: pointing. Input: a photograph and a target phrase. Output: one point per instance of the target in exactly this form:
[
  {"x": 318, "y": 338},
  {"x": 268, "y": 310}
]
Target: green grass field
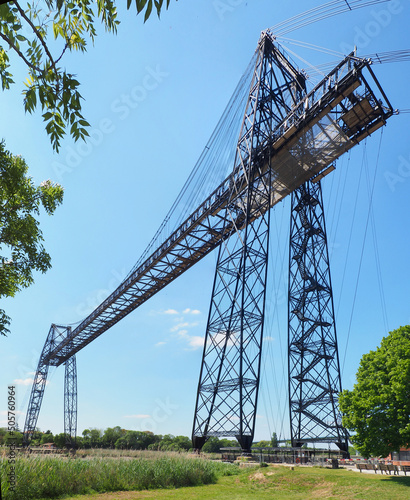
[{"x": 282, "y": 483}]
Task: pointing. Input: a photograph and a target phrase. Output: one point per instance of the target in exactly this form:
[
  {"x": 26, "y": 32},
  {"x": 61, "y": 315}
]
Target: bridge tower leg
[
  {"x": 37, "y": 390},
  {"x": 229, "y": 377},
  {"x": 55, "y": 334},
  {"x": 70, "y": 402},
  {"x": 314, "y": 371}
]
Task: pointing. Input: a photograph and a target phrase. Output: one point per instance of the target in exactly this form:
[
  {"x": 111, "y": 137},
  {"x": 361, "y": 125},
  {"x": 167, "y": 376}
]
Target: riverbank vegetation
[{"x": 38, "y": 477}]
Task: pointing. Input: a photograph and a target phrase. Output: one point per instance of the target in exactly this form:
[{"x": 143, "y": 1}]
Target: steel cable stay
[
  {"x": 370, "y": 189},
  {"x": 393, "y": 56},
  {"x": 269, "y": 365},
  {"x": 351, "y": 225},
  {"x": 341, "y": 184},
  {"x": 311, "y": 46},
  {"x": 320, "y": 13},
  {"x": 211, "y": 167},
  {"x": 368, "y": 222},
  {"x": 281, "y": 284}
]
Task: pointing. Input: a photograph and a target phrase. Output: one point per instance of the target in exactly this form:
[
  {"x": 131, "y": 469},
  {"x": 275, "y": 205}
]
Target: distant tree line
[{"x": 118, "y": 438}]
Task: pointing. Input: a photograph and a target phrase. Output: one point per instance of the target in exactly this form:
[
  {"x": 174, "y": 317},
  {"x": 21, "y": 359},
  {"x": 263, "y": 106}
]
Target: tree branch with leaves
[
  {"x": 56, "y": 92},
  {"x": 49, "y": 86},
  {"x": 21, "y": 249}
]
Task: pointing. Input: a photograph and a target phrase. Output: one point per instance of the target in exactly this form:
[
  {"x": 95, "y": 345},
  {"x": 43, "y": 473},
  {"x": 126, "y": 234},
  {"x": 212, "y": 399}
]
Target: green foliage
[
  {"x": 92, "y": 438},
  {"x": 148, "y": 4},
  {"x": 13, "y": 438},
  {"x": 377, "y": 410},
  {"x": 214, "y": 444},
  {"x": 72, "y": 25},
  {"x": 170, "y": 443},
  {"x": 44, "y": 477},
  {"x": 60, "y": 440},
  {"x": 20, "y": 234},
  {"x": 111, "y": 435},
  {"x": 47, "y": 437},
  {"x": 135, "y": 440},
  {"x": 122, "y": 439},
  {"x": 274, "y": 440},
  {"x": 262, "y": 444}
]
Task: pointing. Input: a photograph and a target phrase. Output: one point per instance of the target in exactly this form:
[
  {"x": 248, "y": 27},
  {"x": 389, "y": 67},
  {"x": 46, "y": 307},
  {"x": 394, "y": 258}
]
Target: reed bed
[{"x": 53, "y": 477}]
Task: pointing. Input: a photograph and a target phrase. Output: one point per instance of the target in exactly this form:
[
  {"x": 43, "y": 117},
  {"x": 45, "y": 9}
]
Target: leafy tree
[
  {"x": 274, "y": 440},
  {"x": 20, "y": 234},
  {"x": 262, "y": 444},
  {"x": 228, "y": 443},
  {"x": 79, "y": 441},
  {"x": 48, "y": 85},
  {"x": 3, "y": 432},
  {"x": 212, "y": 445},
  {"x": 60, "y": 440},
  {"x": 180, "y": 443},
  {"x": 135, "y": 440},
  {"x": 15, "y": 438},
  {"x": 47, "y": 437},
  {"x": 111, "y": 434},
  {"x": 377, "y": 410},
  {"x": 95, "y": 438}
]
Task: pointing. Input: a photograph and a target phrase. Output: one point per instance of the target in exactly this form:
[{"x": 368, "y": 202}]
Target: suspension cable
[{"x": 371, "y": 193}]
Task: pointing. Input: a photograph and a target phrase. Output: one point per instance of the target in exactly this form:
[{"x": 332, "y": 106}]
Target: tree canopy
[
  {"x": 72, "y": 25},
  {"x": 377, "y": 410},
  {"x": 21, "y": 250}
]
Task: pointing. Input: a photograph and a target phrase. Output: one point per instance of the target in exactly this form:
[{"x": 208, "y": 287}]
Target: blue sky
[{"x": 153, "y": 95}]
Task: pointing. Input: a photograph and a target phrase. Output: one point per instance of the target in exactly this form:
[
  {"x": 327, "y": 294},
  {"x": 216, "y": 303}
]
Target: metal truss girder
[
  {"x": 314, "y": 373},
  {"x": 228, "y": 385}
]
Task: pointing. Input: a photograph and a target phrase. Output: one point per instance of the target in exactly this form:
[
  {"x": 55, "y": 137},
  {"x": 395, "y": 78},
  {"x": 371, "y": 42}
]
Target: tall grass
[{"x": 49, "y": 477}]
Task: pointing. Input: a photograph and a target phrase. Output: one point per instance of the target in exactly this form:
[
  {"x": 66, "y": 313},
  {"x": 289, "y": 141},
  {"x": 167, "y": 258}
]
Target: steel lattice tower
[
  {"x": 70, "y": 402},
  {"x": 56, "y": 335},
  {"x": 229, "y": 378},
  {"x": 314, "y": 372}
]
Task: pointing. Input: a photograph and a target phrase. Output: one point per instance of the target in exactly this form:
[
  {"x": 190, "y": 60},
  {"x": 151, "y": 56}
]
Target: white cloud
[
  {"x": 183, "y": 325},
  {"x": 137, "y": 416},
  {"x": 195, "y": 341},
  {"x": 219, "y": 339},
  {"x": 179, "y": 326},
  {"x": 170, "y": 311},
  {"x": 268, "y": 338},
  {"x": 191, "y": 311},
  {"x": 25, "y": 381},
  {"x": 183, "y": 333},
  {"x": 159, "y": 344}
]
